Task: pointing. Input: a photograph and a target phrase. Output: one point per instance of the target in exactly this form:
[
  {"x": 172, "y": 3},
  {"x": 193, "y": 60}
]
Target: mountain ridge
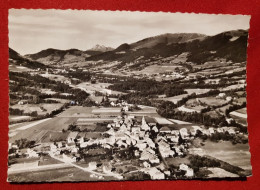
[{"x": 228, "y": 44}]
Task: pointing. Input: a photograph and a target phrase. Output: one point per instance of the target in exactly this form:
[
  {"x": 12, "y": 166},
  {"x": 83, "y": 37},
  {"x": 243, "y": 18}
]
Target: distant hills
[
  {"x": 230, "y": 45},
  {"x": 19, "y": 60}
]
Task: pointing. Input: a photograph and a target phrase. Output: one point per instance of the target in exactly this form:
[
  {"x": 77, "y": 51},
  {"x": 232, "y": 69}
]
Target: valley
[{"x": 160, "y": 108}]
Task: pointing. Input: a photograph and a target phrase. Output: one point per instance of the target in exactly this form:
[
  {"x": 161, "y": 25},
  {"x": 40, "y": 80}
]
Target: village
[{"x": 148, "y": 140}]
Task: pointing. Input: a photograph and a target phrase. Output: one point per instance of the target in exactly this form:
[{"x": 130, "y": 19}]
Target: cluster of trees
[
  {"x": 197, "y": 162},
  {"x": 234, "y": 107},
  {"x": 17, "y": 111},
  {"x": 235, "y": 139},
  {"x": 146, "y": 87},
  {"x": 24, "y": 143},
  {"x": 216, "y": 137},
  {"x": 27, "y": 84},
  {"x": 169, "y": 112},
  {"x": 81, "y": 75},
  {"x": 35, "y": 115}
]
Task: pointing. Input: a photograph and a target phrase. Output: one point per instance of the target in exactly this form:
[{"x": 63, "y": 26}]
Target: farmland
[
  {"x": 174, "y": 99},
  {"x": 226, "y": 151},
  {"x": 171, "y": 106},
  {"x": 212, "y": 101},
  {"x": 41, "y": 109}
]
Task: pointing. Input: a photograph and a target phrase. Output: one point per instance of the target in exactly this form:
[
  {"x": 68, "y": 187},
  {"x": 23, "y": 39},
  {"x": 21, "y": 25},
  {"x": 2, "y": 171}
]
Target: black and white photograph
[{"x": 127, "y": 96}]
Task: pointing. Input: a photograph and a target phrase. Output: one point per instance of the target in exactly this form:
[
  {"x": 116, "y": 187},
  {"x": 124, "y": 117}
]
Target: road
[
  {"x": 87, "y": 169},
  {"x": 38, "y": 168}
]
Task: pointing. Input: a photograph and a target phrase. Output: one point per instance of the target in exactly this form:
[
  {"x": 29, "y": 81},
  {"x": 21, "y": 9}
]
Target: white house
[
  {"x": 155, "y": 173},
  {"x": 31, "y": 153},
  {"x": 92, "y": 165},
  {"x": 189, "y": 171},
  {"x": 71, "y": 137},
  {"x": 184, "y": 133}
]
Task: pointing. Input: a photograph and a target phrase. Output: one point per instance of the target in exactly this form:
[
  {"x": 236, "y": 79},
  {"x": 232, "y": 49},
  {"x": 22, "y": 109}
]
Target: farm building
[{"x": 71, "y": 137}]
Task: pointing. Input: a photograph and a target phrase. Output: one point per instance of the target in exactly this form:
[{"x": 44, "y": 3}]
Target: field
[
  {"x": 212, "y": 101},
  {"x": 54, "y": 124},
  {"x": 54, "y": 77},
  {"x": 220, "y": 173},
  {"x": 179, "y": 121},
  {"x": 197, "y": 91},
  {"x": 180, "y": 126},
  {"x": 100, "y": 87},
  {"x": 41, "y": 109},
  {"x": 63, "y": 101},
  {"x": 37, "y": 129},
  {"x": 237, "y": 155},
  {"x": 240, "y": 101},
  {"x": 162, "y": 121},
  {"x": 15, "y": 68},
  {"x": 233, "y": 87},
  {"x": 240, "y": 116},
  {"x": 77, "y": 111},
  {"x": 177, "y": 161},
  {"x": 155, "y": 69},
  {"x": 190, "y": 110},
  {"x": 48, "y": 91},
  {"x": 174, "y": 99},
  {"x": 58, "y": 175},
  {"x": 223, "y": 109},
  {"x": 240, "y": 120},
  {"x": 19, "y": 118},
  {"x": 242, "y": 111},
  {"x": 193, "y": 105}
]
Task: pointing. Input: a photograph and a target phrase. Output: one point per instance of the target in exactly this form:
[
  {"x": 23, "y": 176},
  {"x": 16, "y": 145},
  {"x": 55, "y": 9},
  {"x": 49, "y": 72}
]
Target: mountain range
[{"x": 200, "y": 48}]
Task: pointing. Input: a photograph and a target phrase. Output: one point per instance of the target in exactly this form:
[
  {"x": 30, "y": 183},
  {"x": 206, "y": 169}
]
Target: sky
[{"x": 31, "y": 31}]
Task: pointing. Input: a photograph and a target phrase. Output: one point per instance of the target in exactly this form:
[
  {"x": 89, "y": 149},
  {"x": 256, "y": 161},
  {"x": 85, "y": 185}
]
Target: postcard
[{"x": 120, "y": 95}]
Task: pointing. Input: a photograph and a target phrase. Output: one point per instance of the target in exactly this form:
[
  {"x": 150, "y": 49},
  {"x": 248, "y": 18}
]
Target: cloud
[{"x": 33, "y": 30}]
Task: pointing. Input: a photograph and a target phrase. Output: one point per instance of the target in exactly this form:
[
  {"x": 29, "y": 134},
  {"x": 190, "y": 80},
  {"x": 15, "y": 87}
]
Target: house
[
  {"x": 31, "y": 153},
  {"x": 71, "y": 137},
  {"x": 107, "y": 168},
  {"x": 152, "y": 158},
  {"x": 189, "y": 171},
  {"x": 111, "y": 140},
  {"x": 113, "y": 104},
  {"x": 165, "y": 149},
  {"x": 231, "y": 131},
  {"x": 146, "y": 165},
  {"x": 150, "y": 142},
  {"x": 195, "y": 130},
  {"x": 111, "y": 131},
  {"x": 135, "y": 129},
  {"x": 155, "y": 129},
  {"x": 155, "y": 173},
  {"x": 165, "y": 130},
  {"x": 126, "y": 108},
  {"x": 220, "y": 130},
  {"x": 120, "y": 135},
  {"x": 145, "y": 127},
  {"x": 141, "y": 145},
  {"x": 120, "y": 143},
  {"x": 229, "y": 98},
  {"x": 221, "y": 95},
  {"x": 173, "y": 138},
  {"x": 92, "y": 165},
  {"x": 184, "y": 133},
  {"x": 69, "y": 159},
  {"x": 211, "y": 131},
  {"x": 229, "y": 120},
  {"x": 22, "y": 102},
  {"x": 53, "y": 148}
]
